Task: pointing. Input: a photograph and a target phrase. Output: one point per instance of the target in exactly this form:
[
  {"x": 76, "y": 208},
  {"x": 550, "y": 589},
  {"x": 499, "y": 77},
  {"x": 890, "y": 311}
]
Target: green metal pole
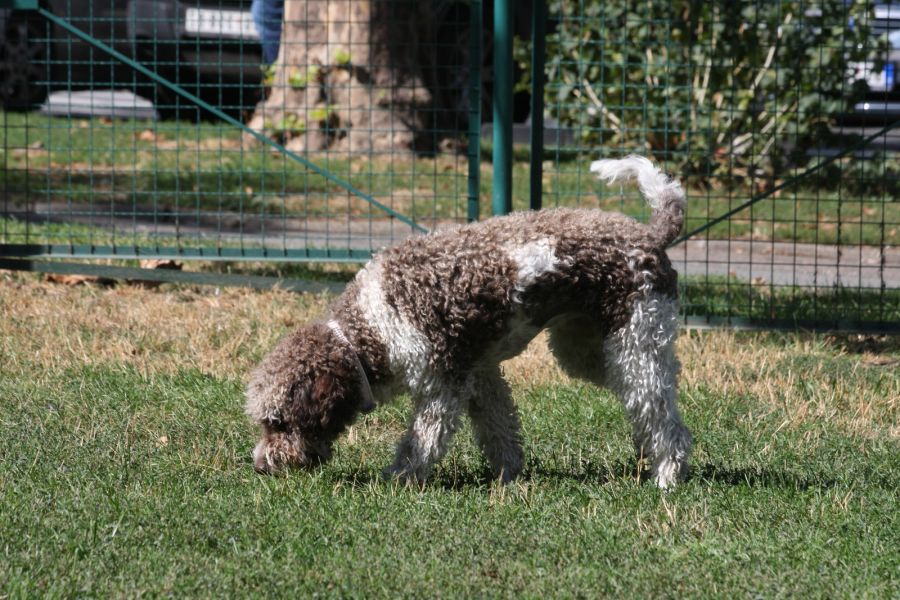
[
  {"x": 503, "y": 100},
  {"x": 474, "y": 149},
  {"x": 538, "y": 52}
]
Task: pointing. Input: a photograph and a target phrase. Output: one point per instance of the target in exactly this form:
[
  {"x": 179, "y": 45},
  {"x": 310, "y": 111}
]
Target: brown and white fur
[{"x": 436, "y": 315}]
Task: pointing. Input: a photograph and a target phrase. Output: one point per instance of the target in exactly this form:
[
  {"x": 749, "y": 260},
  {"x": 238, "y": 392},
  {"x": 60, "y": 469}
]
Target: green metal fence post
[
  {"x": 503, "y": 102},
  {"x": 474, "y": 146},
  {"x": 538, "y": 52}
]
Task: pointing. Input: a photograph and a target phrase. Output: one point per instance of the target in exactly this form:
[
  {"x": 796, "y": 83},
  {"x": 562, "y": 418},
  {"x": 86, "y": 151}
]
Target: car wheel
[{"x": 24, "y": 72}]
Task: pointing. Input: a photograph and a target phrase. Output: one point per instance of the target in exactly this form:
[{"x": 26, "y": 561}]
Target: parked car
[
  {"x": 881, "y": 103},
  {"x": 210, "y": 47}
]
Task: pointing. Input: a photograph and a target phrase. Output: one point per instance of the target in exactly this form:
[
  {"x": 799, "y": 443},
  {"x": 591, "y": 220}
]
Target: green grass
[
  {"x": 124, "y": 471},
  {"x": 162, "y": 168},
  {"x": 115, "y": 482},
  {"x": 843, "y": 307},
  {"x": 165, "y": 166},
  {"x": 48, "y": 232}
]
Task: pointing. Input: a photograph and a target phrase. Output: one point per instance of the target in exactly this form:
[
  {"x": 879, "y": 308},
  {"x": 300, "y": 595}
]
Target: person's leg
[{"x": 267, "y": 16}]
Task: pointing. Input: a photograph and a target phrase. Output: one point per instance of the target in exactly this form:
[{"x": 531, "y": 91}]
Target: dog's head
[{"x": 304, "y": 394}]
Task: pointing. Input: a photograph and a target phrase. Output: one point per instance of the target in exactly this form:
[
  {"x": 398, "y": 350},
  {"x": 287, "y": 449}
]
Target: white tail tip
[{"x": 653, "y": 183}]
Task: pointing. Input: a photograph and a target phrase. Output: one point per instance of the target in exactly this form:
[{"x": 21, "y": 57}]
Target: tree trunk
[{"x": 348, "y": 77}]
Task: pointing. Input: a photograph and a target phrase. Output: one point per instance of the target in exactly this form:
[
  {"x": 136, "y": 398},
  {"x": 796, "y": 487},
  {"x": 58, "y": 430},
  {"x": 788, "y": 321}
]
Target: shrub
[{"x": 721, "y": 89}]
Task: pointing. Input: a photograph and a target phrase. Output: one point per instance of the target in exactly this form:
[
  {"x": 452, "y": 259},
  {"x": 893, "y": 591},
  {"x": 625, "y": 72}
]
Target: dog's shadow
[
  {"x": 599, "y": 474},
  {"x": 449, "y": 479},
  {"x": 459, "y": 478},
  {"x": 699, "y": 474},
  {"x": 766, "y": 477},
  {"x": 589, "y": 473}
]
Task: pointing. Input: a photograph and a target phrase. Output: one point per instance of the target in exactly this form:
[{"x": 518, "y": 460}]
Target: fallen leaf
[
  {"x": 77, "y": 279},
  {"x": 151, "y": 264}
]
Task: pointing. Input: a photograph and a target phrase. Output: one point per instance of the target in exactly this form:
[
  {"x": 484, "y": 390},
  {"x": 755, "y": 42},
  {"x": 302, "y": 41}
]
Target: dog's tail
[{"x": 665, "y": 195}]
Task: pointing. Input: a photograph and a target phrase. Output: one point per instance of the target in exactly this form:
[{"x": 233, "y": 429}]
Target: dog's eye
[{"x": 276, "y": 423}]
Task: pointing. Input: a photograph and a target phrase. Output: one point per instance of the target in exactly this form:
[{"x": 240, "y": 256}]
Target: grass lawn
[
  {"x": 125, "y": 469},
  {"x": 158, "y": 172}
]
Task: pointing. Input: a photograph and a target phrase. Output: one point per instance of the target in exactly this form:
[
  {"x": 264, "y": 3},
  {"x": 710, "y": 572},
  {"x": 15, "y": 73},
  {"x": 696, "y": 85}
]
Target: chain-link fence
[
  {"x": 780, "y": 118},
  {"x": 162, "y": 130},
  {"x": 220, "y": 130}
]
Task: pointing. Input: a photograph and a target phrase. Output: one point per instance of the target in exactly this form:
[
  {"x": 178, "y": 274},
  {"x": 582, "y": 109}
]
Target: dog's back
[{"x": 461, "y": 287}]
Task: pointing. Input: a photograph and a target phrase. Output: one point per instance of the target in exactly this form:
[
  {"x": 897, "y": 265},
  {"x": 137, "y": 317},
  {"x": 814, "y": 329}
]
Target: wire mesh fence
[
  {"x": 780, "y": 117},
  {"x": 149, "y": 129},
  {"x": 162, "y": 131}
]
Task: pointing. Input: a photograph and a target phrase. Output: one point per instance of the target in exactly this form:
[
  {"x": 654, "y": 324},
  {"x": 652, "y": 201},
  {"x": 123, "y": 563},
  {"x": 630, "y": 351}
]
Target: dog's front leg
[
  {"x": 434, "y": 421},
  {"x": 495, "y": 423}
]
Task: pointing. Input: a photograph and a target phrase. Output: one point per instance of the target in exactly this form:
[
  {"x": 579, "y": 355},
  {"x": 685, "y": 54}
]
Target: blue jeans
[{"x": 267, "y": 15}]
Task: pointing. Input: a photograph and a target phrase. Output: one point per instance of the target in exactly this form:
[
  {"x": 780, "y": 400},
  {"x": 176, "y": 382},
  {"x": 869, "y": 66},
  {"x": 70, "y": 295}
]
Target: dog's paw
[
  {"x": 507, "y": 475},
  {"x": 668, "y": 473},
  {"x": 404, "y": 475}
]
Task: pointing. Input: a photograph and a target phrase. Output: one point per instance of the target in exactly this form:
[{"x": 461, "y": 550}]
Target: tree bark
[{"x": 348, "y": 77}]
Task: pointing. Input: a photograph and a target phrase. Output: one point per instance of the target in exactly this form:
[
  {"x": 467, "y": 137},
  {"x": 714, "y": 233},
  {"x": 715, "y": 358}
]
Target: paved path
[{"x": 787, "y": 263}]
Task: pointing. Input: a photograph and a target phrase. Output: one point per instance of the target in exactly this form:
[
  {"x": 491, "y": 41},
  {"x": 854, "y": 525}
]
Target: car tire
[{"x": 24, "y": 62}]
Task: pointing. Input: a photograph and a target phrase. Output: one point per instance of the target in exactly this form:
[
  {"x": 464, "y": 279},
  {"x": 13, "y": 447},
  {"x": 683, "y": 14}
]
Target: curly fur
[{"x": 436, "y": 315}]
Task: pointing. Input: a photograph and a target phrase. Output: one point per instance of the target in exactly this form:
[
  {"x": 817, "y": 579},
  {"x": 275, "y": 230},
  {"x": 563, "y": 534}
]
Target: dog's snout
[{"x": 260, "y": 464}]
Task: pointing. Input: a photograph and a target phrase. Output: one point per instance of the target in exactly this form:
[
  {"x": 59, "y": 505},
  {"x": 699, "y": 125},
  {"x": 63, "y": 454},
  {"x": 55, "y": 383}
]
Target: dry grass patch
[
  {"x": 800, "y": 379},
  {"x": 222, "y": 332},
  {"x": 804, "y": 379}
]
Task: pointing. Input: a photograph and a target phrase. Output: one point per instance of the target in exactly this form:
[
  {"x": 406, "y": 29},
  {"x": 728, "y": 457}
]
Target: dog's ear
[
  {"x": 299, "y": 393},
  {"x": 307, "y": 410},
  {"x": 324, "y": 388},
  {"x": 324, "y": 402}
]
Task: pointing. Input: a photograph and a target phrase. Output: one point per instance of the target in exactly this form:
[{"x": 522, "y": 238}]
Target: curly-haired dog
[{"x": 437, "y": 314}]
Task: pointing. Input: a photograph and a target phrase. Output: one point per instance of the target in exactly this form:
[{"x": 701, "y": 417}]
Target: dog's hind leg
[
  {"x": 642, "y": 370},
  {"x": 434, "y": 421},
  {"x": 495, "y": 422},
  {"x": 577, "y": 344}
]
